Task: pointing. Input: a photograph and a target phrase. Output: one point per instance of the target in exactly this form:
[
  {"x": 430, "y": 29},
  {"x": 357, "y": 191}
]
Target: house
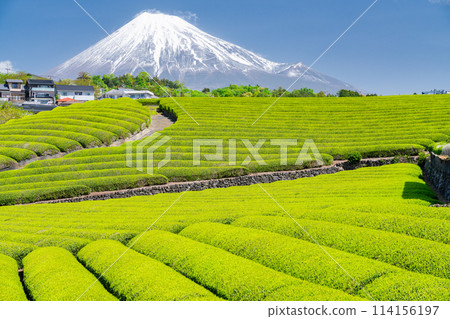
[
  {"x": 81, "y": 93},
  {"x": 41, "y": 91},
  {"x": 119, "y": 93},
  {"x": 13, "y": 91}
]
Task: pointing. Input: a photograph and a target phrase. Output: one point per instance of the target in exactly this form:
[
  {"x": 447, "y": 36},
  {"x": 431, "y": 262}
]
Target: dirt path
[{"x": 159, "y": 123}]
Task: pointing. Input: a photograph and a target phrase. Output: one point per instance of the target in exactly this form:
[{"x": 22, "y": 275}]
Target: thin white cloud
[
  {"x": 186, "y": 15},
  {"x": 6, "y": 67},
  {"x": 147, "y": 11}
]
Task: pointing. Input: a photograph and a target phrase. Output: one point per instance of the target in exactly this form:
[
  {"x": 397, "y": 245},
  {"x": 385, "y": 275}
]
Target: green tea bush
[
  {"x": 88, "y": 119},
  {"x": 307, "y": 261},
  {"x": 54, "y": 274},
  {"x": 39, "y": 167},
  {"x": 17, "y": 154},
  {"x": 70, "y": 176},
  {"x": 135, "y": 277},
  {"x": 72, "y": 244},
  {"x": 36, "y": 195},
  {"x": 6, "y": 162},
  {"x": 406, "y": 252},
  {"x": 228, "y": 276},
  {"x": 108, "y": 183},
  {"x": 148, "y": 102},
  {"x": 425, "y": 228},
  {"x": 130, "y": 119},
  {"x": 107, "y": 112},
  {"x": 122, "y": 236},
  {"x": 41, "y": 149},
  {"x": 117, "y": 130},
  {"x": 52, "y": 187},
  {"x": 354, "y": 157},
  {"x": 63, "y": 131},
  {"x": 10, "y": 286},
  {"x": 63, "y": 144},
  {"x": 16, "y": 250}
]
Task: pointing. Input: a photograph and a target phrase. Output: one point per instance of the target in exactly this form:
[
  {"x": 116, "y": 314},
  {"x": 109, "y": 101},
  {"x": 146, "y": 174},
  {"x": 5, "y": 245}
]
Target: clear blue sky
[{"x": 399, "y": 47}]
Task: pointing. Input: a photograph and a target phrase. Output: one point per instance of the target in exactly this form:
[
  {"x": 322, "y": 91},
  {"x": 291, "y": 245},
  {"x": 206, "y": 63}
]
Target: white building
[
  {"x": 119, "y": 93},
  {"x": 436, "y": 92},
  {"x": 81, "y": 93}
]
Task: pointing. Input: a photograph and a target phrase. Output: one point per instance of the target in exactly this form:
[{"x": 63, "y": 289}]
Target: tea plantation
[
  {"x": 366, "y": 234},
  {"x": 70, "y": 128},
  {"x": 237, "y": 243},
  {"x": 373, "y": 127}
]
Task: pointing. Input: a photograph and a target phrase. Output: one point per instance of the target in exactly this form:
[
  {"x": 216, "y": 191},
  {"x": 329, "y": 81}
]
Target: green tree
[
  {"x": 142, "y": 80},
  {"x": 279, "y": 92},
  {"x": 111, "y": 81},
  {"x": 304, "y": 92},
  {"x": 65, "y": 82},
  {"x": 348, "y": 93},
  {"x": 83, "y": 76},
  {"x": 97, "y": 80}
]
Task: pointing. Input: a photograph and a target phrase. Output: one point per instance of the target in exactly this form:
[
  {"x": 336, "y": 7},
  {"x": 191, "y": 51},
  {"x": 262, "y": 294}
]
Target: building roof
[
  {"x": 14, "y": 81},
  {"x": 127, "y": 91},
  {"x": 75, "y": 88},
  {"x": 41, "y": 82},
  {"x": 67, "y": 99}
]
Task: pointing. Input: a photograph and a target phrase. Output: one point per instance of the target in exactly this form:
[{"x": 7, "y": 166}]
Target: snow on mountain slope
[{"x": 169, "y": 47}]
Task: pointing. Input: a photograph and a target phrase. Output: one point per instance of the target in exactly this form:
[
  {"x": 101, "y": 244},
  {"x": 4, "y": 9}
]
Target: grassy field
[
  {"x": 375, "y": 222},
  {"x": 374, "y": 127}
]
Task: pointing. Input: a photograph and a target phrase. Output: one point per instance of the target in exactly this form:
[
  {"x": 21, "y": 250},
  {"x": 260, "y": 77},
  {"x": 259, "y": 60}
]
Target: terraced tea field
[
  {"x": 268, "y": 242},
  {"x": 70, "y": 128},
  {"x": 375, "y": 127}
]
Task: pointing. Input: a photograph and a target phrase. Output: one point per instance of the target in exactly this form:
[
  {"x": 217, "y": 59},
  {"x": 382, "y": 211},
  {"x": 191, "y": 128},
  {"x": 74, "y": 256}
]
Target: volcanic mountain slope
[{"x": 169, "y": 47}]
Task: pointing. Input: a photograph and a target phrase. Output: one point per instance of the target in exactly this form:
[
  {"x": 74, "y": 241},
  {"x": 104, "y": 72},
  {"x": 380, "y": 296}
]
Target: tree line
[{"x": 165, "y": 87}]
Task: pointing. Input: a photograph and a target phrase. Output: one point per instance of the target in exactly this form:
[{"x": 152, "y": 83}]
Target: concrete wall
[{"x": 437, "y": 173}]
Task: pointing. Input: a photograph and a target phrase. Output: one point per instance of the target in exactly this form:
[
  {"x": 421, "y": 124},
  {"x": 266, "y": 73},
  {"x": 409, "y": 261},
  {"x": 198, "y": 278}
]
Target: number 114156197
[{"x": 405, "y": 310}]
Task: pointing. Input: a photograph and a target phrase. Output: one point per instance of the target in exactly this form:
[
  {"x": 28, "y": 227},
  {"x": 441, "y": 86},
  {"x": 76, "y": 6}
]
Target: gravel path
[{"x": 159, "y": 122}]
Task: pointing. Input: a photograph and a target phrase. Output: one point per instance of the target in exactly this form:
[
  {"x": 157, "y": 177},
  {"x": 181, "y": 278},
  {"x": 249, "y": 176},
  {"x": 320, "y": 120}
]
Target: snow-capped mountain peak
[{"x": 170, "y": 47}]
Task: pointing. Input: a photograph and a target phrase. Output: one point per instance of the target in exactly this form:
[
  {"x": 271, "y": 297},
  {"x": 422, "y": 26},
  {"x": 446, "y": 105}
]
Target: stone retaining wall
[
  {"x": 259, "y": 178},
  {"x": 437, "y": 173}
]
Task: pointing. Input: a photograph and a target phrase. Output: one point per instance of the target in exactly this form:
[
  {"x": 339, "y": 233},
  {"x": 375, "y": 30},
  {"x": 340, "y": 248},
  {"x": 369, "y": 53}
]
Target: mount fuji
[{"x": 169, "y": 47}]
